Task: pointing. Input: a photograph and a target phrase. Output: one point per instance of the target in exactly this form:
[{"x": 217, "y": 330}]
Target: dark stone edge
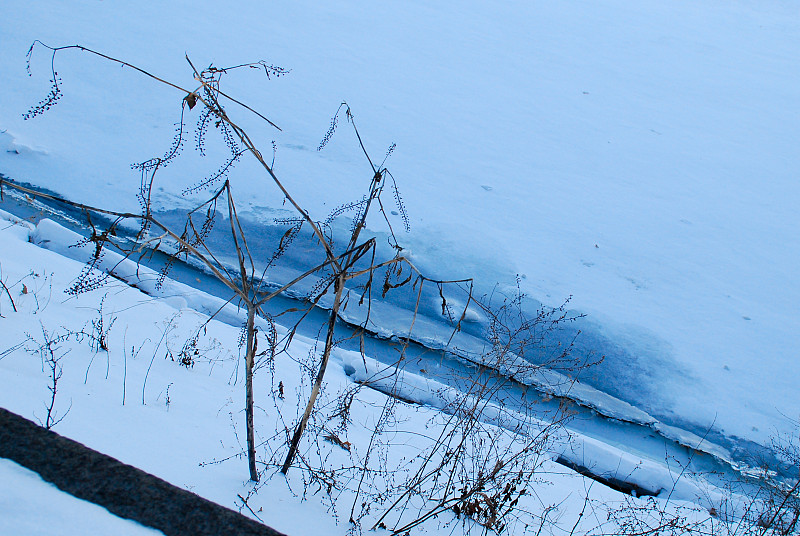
[{"x": 121, "y": 489}]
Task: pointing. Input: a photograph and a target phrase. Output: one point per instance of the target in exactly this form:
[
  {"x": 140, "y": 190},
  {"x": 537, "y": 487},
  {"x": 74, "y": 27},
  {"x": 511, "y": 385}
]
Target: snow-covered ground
[{"x": 639, "y": 157}]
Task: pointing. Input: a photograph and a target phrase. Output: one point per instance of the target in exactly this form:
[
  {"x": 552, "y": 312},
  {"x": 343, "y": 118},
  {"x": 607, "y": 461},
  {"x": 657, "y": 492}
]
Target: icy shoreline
[
  {"x": 466, "y": 345},
  {"x": 640, "y": 463}
]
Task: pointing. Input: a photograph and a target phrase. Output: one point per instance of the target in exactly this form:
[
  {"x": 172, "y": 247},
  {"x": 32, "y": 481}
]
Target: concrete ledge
[{"x": 121, "y": 489}]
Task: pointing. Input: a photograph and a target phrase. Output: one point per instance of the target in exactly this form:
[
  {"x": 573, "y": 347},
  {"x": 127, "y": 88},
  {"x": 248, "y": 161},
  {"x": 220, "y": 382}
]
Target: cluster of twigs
[{"x": 50, "y": 348}]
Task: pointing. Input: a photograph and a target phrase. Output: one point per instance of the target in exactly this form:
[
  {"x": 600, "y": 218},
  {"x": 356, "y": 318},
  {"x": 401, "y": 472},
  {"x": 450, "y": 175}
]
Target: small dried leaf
[
  {"x": 346, "y": 445},
  {"x": 24, "y": 289},
  {"x": 191, "y": 100}
]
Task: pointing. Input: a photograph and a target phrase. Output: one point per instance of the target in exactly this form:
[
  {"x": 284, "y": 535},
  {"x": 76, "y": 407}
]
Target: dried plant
[{"x": 243, "y": 279}]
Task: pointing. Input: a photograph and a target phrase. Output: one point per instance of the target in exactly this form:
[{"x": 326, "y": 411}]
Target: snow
[{"x": 638, "y": 157}]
